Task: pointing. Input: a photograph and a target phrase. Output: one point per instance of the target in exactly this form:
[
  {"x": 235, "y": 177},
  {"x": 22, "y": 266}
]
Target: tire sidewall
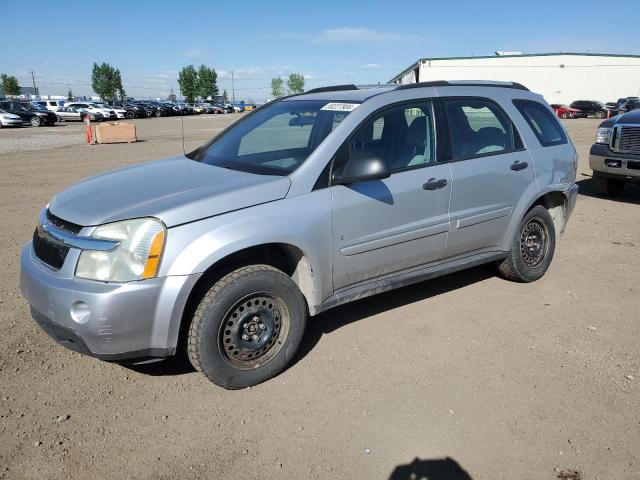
[
  {"x": 35, "y": 121},
  {"x": 213, "y": 362},
  {"x": 528, "y": 272}
]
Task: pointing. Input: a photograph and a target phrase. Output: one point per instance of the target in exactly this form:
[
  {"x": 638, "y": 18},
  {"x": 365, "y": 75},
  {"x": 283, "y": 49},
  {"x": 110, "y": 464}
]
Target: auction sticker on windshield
[{"x": 340, "y": 107}]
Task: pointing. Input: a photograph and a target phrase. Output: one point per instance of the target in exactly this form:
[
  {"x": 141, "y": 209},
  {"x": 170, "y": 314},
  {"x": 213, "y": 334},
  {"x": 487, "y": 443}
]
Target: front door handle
[
  {"x": 433, "y": 184},
  {"x": 517, "y": 166}
]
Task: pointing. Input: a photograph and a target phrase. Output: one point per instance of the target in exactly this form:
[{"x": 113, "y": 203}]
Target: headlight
[
  {"x": 41, "y": 114},
  {"x": 137, "y": 256},
  {"x": 603, "y": 135}
]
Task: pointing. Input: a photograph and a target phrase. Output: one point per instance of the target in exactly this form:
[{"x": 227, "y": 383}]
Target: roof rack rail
[
  {"x": 333, "y": 88},
  {"x": 462, "y": 83}
]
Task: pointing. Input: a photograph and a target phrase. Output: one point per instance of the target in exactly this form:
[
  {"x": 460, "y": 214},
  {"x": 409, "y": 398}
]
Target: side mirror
[{"x": 362, "y": 168}]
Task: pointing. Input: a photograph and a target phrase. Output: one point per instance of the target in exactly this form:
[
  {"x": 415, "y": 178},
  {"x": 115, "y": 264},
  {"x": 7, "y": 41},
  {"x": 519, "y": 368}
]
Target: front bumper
[
  {"x": 603, "y": 161},
  {"x": 125, "y": 321},
  {"x": 11, "y": 122}
]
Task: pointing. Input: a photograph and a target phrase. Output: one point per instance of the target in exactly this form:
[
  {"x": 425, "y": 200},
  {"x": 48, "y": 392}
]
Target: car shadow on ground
[
  {"x": 435, "y": 469},
  {"x": 630, "y": 194},
  {"x": 338, "y": 317}
]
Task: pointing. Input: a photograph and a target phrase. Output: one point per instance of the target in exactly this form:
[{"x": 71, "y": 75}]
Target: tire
[
  {"x": 247, "y": 327},
  {"x": 599, "y": 114},
  {"x": 158, "y": 113},
  {"x": 129, "y": 114},
  {"x": 565, "y": 115},
  {"x": 35, "y": 121},
  {"x": 607, "y": 187},
  {"x": 532, "y": 248}
]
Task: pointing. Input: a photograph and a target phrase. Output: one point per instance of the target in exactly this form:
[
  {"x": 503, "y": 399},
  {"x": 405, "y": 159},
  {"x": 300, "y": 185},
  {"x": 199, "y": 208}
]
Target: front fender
[{"x": 303, "y": 221}]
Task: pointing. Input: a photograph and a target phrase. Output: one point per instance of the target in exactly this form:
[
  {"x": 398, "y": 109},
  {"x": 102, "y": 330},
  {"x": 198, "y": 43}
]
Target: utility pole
[
  {"x": 35, "y": 89},
  {"x": 233, "y": 89}
]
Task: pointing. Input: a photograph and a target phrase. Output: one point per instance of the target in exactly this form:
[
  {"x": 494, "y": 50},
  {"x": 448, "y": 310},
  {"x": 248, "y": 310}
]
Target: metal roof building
[{"x": 559, "y": 77}]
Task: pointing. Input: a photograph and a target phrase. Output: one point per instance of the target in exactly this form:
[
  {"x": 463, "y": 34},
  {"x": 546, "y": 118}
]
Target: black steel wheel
[
  {"x": 252, "y": 331},
  {"x": 532, "y": 248},
  {"x": 247, "y": 327}
]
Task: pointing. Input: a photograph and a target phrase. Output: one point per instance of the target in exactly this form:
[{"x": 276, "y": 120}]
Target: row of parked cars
[
  {"x": 591, "y": 108},
  {"x": 47, "y": 112}
]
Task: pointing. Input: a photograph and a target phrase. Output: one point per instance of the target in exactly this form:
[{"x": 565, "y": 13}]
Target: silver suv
[{"x": 307, "y": 203}]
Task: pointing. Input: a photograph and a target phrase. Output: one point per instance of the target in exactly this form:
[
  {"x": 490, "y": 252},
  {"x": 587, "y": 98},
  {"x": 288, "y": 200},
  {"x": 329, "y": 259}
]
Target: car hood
[
  {"x": 630, "y": 117},
  {"x": 176, "y": 190},
  {"x": 10, "y": 115}
]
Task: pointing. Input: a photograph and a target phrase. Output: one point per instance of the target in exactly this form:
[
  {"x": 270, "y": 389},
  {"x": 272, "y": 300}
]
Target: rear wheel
[
  {"x": 600, "y": 114},
  {"x": 247, "y": 327},
  {"x": 35, "y": 121},
  {"x": 532, "y": 248},
  {"x": 565, "y": 115},
  {"x": 130, "y": 114},
  {"x": 607, "y": 187}
]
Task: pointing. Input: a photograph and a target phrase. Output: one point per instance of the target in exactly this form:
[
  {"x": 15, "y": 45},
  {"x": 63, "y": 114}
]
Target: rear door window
[
  {"x": 478, "y": 127},
  {"x": 543, "y": 123}
]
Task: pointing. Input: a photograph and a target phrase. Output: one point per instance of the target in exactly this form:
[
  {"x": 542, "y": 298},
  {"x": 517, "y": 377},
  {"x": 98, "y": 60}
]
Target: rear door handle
[
  {"x": 434, "y": 184},
  {"x": 517, "y": 166}
]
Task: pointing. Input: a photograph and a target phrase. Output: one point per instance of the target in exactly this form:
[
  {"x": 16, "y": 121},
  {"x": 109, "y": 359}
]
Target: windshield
[{"x": 275, "y": 140}]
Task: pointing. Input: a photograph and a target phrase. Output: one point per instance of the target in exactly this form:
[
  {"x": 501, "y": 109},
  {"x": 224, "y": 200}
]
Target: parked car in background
[
  {"x": 615, "y": 155},
  {"x": 9, "y": 119},
  {"x": 51, "y": 105},
  {"x": 35, "y": 116},
  {"x": 565, "y": 112},
  {"x": 132, "y": 111},
  {"x": 227, "y": 251},
  {"x": 629, "y": 104},
  {"x": 70, "y": 114},
  {"x": 120, "y": 112},
  {"x": 108, "y": 113},
  {"x": 590, "y": 108}
]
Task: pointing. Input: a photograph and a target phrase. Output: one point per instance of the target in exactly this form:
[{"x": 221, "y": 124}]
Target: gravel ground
[{"x": 463, "y": 377}]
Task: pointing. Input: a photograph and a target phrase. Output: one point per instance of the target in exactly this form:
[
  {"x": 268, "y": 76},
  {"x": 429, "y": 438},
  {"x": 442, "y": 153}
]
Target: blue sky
[{"x": 330, "y": 42}]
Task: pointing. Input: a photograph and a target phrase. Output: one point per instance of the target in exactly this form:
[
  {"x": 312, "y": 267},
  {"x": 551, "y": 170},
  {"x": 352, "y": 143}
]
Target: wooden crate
[{"x": 117, "y": 132}]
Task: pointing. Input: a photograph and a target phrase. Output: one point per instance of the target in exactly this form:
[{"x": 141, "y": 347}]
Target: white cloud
[
  {"x": 309, "y": 76},
  {"x": 196, "y": 54},
  {"x": 360, "y": 36},
  {"x": 374, "y": 65}
]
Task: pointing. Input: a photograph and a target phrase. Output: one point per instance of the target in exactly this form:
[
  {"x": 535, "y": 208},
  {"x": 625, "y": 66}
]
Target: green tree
[
  {"x": 118, "y": 80},
  {"x": 172, "y": 95},
  {"x": 70, "y": 96},
  {"x": 295, "y": 83},
  {"x": 9, "y": 85},
  {"x": 188, "y": 82},
  {"x": 207, "y": 86},
  {"x": 106, "y": 81},
  {"x": 277, "y": 87}
]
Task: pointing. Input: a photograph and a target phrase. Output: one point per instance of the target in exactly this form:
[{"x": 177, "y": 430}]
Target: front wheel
[
  {"x": 130, "y": 115},
  {"x": 565, "y": 115},
  {"x": 247, "y": 328},
  {"x": 600, "y": 114},
  {"x": 532, "y": 248},
  {"x": 35, "y": 121}
]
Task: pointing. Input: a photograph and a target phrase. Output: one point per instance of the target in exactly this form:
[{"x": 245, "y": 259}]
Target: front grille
[
  {"x": 50, "y": 253},
  {"x": 63, "y": 224},
  {"x": 633, "y": 165},
  {"x": 628, "y": 139}
]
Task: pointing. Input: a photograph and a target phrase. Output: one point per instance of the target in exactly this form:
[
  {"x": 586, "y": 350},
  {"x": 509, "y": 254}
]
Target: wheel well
[
  {"x": 556, "y": 203},
  {"x": 285, "y": 257}
]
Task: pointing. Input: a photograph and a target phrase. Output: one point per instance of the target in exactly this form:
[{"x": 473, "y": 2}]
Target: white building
[{"x": 559, "y": 77}]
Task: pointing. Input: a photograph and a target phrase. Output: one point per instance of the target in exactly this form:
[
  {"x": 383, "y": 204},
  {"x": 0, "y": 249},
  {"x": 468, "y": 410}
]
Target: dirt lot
[{"x": 506, "y": 381}]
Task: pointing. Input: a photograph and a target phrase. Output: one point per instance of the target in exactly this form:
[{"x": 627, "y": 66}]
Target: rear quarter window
[{"x": 544, "y": 124}]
